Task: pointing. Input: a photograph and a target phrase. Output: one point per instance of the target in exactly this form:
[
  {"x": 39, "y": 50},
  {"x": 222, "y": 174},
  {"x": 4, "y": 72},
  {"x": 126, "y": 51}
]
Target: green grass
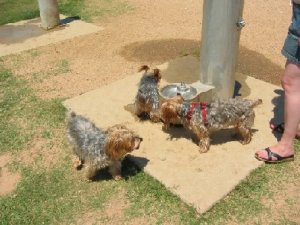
[
  {"x": 61, "y": 67},
  {"x": 150, "y": 197},
  {"x": 13, "y": 11},
  {"x": 88, "y": 10},
  {"x": 22, "y": 114},
  {"x": 46, "y": 196},
  {"x": 55, "y": 196},
  {"x": 12, "y": 92}
]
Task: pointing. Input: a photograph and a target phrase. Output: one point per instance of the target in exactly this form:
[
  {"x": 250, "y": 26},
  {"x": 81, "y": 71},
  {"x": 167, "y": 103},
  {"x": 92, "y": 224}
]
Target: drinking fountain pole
[
  {"x": 49, "y": 14},
  {"x": 221, "y": 28}
]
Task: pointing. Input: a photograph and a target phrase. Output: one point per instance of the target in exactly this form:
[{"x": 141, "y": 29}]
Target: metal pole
[
  {"x": 222, "y": 23},
  {"x": 49, "y": 13}
]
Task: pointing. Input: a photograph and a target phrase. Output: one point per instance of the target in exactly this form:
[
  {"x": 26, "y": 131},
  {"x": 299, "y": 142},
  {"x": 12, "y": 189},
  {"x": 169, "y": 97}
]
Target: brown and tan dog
[
  {"x": 204, "y": 119},
  {"x": 96, "y": 149}
]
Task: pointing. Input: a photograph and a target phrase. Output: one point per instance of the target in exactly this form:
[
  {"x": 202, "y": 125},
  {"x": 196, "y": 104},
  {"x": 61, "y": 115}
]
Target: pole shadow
[{"x": 249, "y": 62}]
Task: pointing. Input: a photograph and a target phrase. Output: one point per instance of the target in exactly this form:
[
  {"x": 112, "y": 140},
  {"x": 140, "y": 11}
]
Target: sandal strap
[{"x": 273, "y": 154}]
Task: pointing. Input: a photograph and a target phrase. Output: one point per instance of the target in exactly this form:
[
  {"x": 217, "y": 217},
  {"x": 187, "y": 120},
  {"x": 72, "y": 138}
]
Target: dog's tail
[
  {"x": 144, "y": 68},
  {"x": 256, "y": 103},
  {"x": 156, "y": 72}
]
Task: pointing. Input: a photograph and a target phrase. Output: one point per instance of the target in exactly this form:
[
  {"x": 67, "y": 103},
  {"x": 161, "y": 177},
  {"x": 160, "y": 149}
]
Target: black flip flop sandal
[{"x": 279, "y": 159}]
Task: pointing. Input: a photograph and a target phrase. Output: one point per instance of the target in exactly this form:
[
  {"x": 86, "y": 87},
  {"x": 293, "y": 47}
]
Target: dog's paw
[
  {"x": 77, "y": 164},
  {"x": 155, "y": 119},
  {"x": 203, "y": 150},
  {"x": 203, "y": 147},
  {"x": 118, "y": 177},
  {"x": 245, "y": 141},
  {"x": 166, "y": 127}
]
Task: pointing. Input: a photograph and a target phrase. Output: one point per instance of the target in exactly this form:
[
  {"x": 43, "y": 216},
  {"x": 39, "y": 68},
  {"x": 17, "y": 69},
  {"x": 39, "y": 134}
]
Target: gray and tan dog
[
  {"x": 204, "y": 119},
  {"x": 147, "y": 97},
  {"x": 96, "y": 149}
]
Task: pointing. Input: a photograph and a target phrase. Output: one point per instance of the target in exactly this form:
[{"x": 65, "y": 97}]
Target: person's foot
[{"x": 277, "y": 153}]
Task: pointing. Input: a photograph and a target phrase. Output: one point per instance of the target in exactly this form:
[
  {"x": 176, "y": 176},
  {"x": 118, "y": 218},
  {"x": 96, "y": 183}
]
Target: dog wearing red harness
[{"x": 203, "y": 119}]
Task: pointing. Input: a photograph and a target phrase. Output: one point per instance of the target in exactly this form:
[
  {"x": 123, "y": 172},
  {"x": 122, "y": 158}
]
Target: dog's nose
[{"x": 141, "y": 139}]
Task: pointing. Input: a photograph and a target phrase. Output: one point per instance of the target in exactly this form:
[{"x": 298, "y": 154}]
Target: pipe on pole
[
  {"x": 49, "y": 13},
  {"x": 222, "y": 23}
]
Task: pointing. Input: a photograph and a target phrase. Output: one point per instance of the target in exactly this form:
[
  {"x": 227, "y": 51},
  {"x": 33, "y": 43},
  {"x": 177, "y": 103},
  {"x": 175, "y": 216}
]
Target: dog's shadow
[
  {"x": 216, "y": 138},
  {"x": 226, "y": 135},
  {"x": 141, "y": 118},
  {"x": 177, "y": 131},
  {"x": 131, "y": 166}
]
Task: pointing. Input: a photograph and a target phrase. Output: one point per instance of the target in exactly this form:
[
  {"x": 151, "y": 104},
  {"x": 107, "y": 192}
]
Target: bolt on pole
[
  {"x": 49, "y": 13},
  {"x": 221, "y": 28}
]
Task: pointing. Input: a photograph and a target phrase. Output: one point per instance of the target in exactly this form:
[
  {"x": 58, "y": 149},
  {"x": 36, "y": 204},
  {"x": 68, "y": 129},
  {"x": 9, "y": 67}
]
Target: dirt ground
[
  {"x": 155, "y": 32},
  {"x": 8, "y": 180}
]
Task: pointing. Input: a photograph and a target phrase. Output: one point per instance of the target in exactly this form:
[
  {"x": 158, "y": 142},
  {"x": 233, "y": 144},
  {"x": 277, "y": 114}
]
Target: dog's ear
[
  {"x": 157, "y": 75},
  {"x": 137, "y": 141},
  {"x": 144, "y": 68},
  {"x": 178, "y": 109},
  {"x": 118, "y": 143},
  {"x": 113, "y": 147},
  {"x": 178, "y": 98},
  {"x": 169, "y": 110},
  {"x": 181, "y": 99}
]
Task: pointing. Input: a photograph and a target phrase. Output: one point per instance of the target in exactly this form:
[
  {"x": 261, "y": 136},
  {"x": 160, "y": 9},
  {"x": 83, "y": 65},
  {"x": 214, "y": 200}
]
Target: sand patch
[{"x": 8, "y": 180}]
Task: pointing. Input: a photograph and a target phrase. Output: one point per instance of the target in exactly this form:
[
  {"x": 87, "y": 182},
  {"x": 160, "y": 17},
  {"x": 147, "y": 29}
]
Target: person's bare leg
[
  {"x": 298, "y": 131},
  {"x": 291, "y": 85}
]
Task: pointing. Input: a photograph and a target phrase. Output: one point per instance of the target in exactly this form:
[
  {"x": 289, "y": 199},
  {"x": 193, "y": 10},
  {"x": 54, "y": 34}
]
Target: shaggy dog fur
[
  {"x": 147, "y": 97},
  {"x": 96, "y": 148},
  {"x": 203, "y": 119}
]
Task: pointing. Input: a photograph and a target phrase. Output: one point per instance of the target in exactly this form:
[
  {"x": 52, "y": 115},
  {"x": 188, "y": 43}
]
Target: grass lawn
[{"x": 13, "y": 11}]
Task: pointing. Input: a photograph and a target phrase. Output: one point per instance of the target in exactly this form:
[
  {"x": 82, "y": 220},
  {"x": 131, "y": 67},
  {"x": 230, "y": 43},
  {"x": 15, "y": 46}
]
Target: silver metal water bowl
[{"x": 186, "y": 91}]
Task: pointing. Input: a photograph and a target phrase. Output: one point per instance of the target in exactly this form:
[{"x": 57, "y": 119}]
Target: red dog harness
[{"x": 203, "y": 111}]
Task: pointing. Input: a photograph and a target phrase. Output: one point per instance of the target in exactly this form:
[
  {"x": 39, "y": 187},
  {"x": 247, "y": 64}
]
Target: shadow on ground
[
  {"x": 158, "y": 51},
  {"x": 216, "y": 138},
  {"x": 129, "y": 168},
  {"x": 20, "y": 32},
  {"x": 250, "y": 63}
]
